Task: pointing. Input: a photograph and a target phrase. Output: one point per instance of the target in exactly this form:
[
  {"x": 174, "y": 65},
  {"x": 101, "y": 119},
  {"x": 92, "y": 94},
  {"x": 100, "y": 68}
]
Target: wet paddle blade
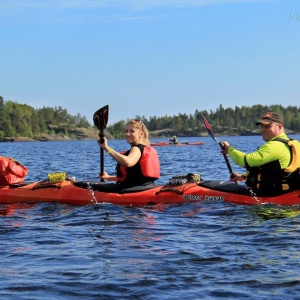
[{"x": 209, "y": 129}]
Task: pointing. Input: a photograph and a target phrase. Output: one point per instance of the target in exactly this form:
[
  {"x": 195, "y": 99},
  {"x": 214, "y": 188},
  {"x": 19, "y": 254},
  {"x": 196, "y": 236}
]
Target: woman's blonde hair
[{"x": 138, "y": 124}]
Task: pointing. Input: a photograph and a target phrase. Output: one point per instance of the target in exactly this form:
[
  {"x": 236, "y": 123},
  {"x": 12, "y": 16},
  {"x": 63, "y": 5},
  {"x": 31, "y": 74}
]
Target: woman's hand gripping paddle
[
  {"x": 211, "y": 133},
  {"x": 100, "y": 119}
]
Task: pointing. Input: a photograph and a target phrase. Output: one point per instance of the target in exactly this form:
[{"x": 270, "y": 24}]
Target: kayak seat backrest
[
  {"x": 224, "y": 186},
  {"x": 112, "y": 187}
]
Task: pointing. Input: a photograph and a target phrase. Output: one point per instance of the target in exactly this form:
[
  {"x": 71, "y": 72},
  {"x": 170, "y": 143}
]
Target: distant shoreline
[{"x": 93, "y": 134}]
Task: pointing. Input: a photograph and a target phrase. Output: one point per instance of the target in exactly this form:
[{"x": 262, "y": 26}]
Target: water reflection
[{"x": 267, "y": 212}]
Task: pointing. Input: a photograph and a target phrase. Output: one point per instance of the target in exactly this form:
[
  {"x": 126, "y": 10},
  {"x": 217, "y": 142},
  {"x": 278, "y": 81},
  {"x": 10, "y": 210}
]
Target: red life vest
[
  {"x": 11, "y": 171},
  {"x": 149, "y": 163}
]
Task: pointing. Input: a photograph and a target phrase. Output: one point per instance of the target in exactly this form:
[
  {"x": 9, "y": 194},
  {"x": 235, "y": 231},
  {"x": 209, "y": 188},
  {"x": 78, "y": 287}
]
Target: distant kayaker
[
  {"x": 174, "y": 139},
  {"x": 266, "y": 166},
  {"x": 137, "y": 166}
]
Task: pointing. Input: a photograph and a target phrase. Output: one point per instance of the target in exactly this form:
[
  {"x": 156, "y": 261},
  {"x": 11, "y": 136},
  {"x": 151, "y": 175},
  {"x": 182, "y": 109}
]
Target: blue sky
[{"x": 149, "y": 57}]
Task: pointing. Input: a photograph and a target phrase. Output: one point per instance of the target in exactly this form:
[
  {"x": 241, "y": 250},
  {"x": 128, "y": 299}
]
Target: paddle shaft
[
  {"x": 226, "y": 160},
  {"x": 101, "y": 158},
  {"x": 211, "y": 133}
]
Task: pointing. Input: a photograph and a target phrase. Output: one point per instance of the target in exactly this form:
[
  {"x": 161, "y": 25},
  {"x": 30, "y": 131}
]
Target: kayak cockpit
[
  {"x": 224, "y": 186},
  {"x": 112, "y": 187}
]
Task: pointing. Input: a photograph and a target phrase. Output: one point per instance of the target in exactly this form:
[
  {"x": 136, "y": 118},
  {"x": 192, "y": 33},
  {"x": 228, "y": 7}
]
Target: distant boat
[{"x": 178, "y": 144}]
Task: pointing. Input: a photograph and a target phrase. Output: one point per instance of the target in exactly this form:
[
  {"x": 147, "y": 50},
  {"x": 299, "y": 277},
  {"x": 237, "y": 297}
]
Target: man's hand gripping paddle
[
  {"x": 100, "y": 119},
  {"x": 211, "y": 133}
]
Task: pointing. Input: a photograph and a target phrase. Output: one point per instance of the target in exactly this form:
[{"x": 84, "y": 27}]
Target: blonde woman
[{"x": 137, "y": 166}]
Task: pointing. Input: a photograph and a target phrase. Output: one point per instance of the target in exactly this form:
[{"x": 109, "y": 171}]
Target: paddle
[
  {"x": 211, "y": 133},
  {"x": 100, "y": 119}
]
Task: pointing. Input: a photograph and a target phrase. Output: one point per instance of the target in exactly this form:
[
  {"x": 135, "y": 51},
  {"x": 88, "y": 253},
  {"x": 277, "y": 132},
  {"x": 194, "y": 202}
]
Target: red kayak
[
  {"x": 179, "y": 144},
  {"x": 174, "y": 192}
]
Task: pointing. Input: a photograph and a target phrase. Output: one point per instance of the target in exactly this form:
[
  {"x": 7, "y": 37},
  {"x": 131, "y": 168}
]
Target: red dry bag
[{"x": 11, "y": 171}]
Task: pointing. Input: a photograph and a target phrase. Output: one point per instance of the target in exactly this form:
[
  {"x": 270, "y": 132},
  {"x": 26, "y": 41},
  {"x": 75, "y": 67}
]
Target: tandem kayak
[
  {"x": 174, "y": 192},
  {"x": 178, "y": 144}
]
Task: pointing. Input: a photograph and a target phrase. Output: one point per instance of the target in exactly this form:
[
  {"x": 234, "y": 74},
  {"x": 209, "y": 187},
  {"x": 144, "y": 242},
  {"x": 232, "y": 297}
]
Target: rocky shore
[
  {"x": 93, "y": 134},
  {"x": 75, "y": 134}
]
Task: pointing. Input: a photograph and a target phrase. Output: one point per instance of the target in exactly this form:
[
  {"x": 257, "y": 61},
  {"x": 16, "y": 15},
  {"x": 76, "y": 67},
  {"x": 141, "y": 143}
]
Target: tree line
[
  {"x": 23, "y": 120},
  {"x": 238, "y": 120}
]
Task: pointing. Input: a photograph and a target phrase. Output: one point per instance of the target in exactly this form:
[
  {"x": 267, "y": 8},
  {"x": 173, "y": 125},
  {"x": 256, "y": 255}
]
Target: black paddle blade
[
  {"x": 100, "y": 118},
  {"x": 209, "y": 129}
]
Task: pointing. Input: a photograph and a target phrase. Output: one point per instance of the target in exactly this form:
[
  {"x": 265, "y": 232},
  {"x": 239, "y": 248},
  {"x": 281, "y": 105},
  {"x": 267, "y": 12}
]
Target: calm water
[{"x": 199, "y": 250}]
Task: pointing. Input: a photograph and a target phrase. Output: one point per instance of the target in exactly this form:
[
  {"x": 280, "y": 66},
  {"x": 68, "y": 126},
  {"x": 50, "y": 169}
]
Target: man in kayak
[
  {"x": 174, "y": 139},
  {"x": 137, "y": 166},
  {"x": 265, "y": 166}
]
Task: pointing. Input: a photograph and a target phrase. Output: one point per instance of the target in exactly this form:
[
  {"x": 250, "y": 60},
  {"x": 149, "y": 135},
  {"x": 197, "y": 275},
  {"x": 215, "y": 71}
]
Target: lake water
[{"x": 198, "y": 250}]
